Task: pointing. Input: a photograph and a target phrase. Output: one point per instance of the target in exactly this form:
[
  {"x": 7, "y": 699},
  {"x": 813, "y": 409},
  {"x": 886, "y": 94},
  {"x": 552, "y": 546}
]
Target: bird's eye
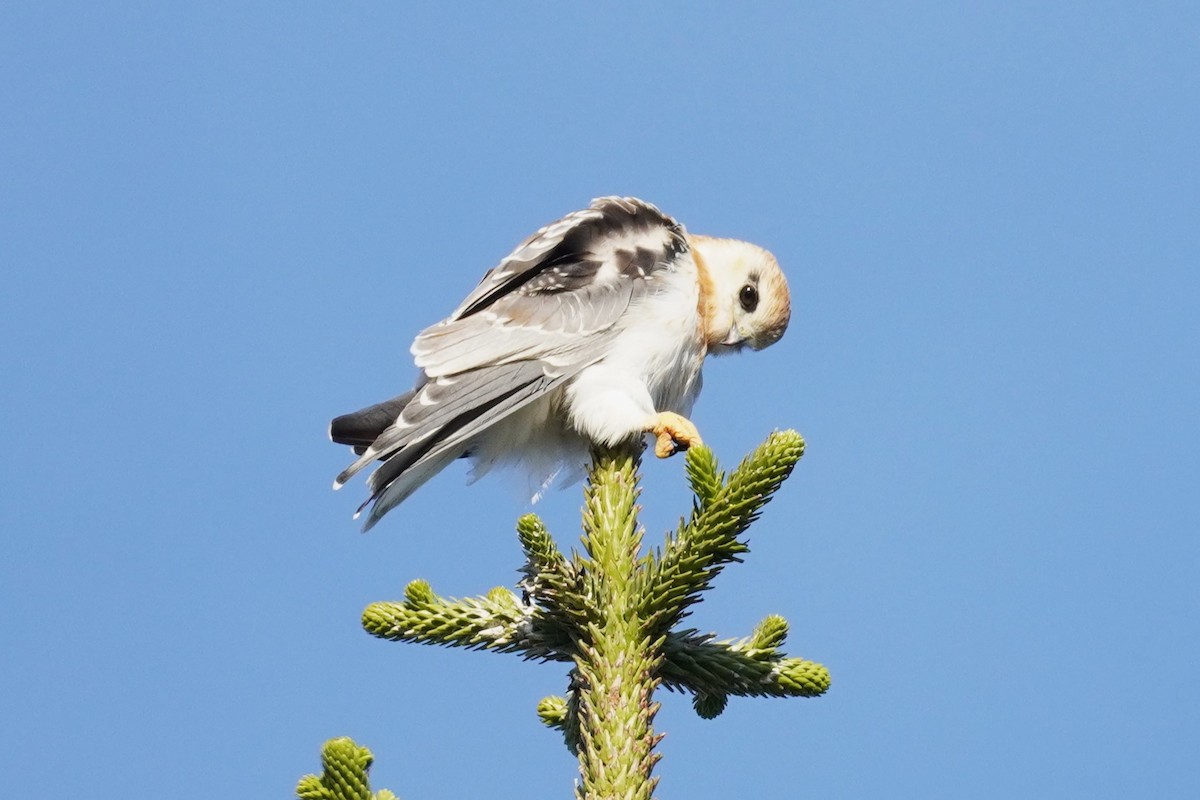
[{"x": 748, "y": 297}]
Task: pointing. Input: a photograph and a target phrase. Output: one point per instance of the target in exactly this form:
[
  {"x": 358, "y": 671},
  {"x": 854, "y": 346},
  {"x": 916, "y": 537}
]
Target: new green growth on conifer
[{"x": 614, "y": 613}]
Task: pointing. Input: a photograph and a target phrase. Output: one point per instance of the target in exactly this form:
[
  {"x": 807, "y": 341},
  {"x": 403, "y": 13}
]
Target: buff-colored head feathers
[{"x": 744, "y": 297}]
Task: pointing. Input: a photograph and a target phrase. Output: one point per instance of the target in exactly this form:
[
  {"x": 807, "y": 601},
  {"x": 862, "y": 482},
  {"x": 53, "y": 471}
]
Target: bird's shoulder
[{"x": 613, "y": 241}]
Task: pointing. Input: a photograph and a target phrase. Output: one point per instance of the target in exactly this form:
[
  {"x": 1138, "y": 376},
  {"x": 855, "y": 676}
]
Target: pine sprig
[
  {"x": 497, "y": 621},
  {"x": 552, "y": 711},
  {"x": 344, "y": 774},
  {"x": 550, "y": 580},
  {"x": 702, "y": 547},
  {"x": 703, "y": 475},
  {"x": 542, "y": 554},
  {"x": 699, "y": 664}
]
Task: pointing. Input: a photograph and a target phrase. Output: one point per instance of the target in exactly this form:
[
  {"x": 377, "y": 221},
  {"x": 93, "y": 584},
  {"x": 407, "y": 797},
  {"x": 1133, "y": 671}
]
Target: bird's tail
[
  {"x": 361, "y": 428},
  {"x": 417, "y": 434}
]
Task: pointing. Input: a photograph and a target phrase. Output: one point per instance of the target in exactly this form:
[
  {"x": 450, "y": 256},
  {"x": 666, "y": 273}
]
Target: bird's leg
[{"x": 674, "y": 433}]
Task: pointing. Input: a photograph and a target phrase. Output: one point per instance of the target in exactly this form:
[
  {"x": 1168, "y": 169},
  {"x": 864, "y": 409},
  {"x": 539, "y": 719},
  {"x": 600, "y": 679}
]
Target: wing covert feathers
[{"x": 569, "y": 253}]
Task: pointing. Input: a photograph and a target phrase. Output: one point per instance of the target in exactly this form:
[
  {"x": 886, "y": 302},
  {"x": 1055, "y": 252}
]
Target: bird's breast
[{"x": 661, "y": 342}]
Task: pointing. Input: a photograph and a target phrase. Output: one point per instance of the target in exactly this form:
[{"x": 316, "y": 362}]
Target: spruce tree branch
[
  {"x": 550, "y": 580},
  {"x": 498, "y": 621},
  {"x": 344, "y": 776},
  {"x": 696, "y": 663},
  {"x": 552, "y": 711},
  {"x": 562, "y": 714},
  {"x": 708, "y": 541},
  {"x": 541, "y": 553},
  {"x": 703, "y": 475}
]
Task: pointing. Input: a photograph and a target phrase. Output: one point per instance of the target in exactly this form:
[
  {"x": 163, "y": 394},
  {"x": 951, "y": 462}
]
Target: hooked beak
[{"x": 732, "y": 343}]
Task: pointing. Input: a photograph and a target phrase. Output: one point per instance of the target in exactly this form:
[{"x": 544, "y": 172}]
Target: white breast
[
  {"x": 652, "y": 365},
  {"x": 661, "y": 344}
]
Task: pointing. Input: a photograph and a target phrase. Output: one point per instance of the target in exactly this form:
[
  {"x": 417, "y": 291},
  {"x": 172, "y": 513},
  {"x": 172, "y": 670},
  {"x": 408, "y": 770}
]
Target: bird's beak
[
  {"x": 734, "y": 339},
  {"x": 733, "y": 343}
]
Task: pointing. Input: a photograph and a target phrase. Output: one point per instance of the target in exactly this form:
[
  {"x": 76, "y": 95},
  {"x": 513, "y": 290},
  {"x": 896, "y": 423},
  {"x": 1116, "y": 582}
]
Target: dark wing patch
[
  {"x": 570, "y": 263},
  {"x": 574, "y": 271},
  {"x": 640, "y": 262},
  {"x": 571, "y": 273}
]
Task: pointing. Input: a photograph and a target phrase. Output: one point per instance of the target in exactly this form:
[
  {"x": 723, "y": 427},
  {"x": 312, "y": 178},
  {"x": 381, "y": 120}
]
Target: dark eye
[{"x": 748, "y": 297}]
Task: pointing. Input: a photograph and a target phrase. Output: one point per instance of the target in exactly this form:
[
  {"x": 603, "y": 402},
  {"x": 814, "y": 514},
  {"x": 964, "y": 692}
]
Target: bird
[{"x": 591, "y": 333}]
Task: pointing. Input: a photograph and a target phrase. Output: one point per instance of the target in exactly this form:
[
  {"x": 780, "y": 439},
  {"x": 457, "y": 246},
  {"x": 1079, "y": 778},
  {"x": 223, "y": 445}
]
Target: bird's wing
[
  {"x": 543, "y": 314},
  {"x": 569, "y": 281},
  {"x": 440, "y": 432}
]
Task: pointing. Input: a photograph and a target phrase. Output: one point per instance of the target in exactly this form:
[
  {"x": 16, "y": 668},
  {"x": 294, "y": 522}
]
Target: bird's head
[{"x": 744, "y": 297}]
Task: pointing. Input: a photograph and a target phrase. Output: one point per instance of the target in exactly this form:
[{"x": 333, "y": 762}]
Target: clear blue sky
[{"x": 222, "y": 225}]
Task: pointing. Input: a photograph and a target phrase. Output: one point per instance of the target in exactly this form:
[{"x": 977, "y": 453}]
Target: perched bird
[{"x": 592, "y": 332}]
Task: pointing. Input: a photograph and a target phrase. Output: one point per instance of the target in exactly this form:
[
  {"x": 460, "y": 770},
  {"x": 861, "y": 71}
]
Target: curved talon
[{"x": 674, "y": 433}]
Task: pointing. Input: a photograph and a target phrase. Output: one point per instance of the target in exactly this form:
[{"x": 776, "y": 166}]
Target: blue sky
[{"x": 223, "y": 223}]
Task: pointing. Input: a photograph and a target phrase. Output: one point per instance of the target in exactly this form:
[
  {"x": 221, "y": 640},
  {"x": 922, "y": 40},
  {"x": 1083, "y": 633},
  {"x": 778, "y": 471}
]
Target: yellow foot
[{"x": 674, "y": 433}]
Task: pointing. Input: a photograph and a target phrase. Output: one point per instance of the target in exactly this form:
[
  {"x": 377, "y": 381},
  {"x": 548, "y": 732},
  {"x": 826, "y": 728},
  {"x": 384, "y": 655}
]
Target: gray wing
[
  {"x": 542, "y": 315},
  {"x": 570, "y": 280},
  {"x": 430, "y": 434}
]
